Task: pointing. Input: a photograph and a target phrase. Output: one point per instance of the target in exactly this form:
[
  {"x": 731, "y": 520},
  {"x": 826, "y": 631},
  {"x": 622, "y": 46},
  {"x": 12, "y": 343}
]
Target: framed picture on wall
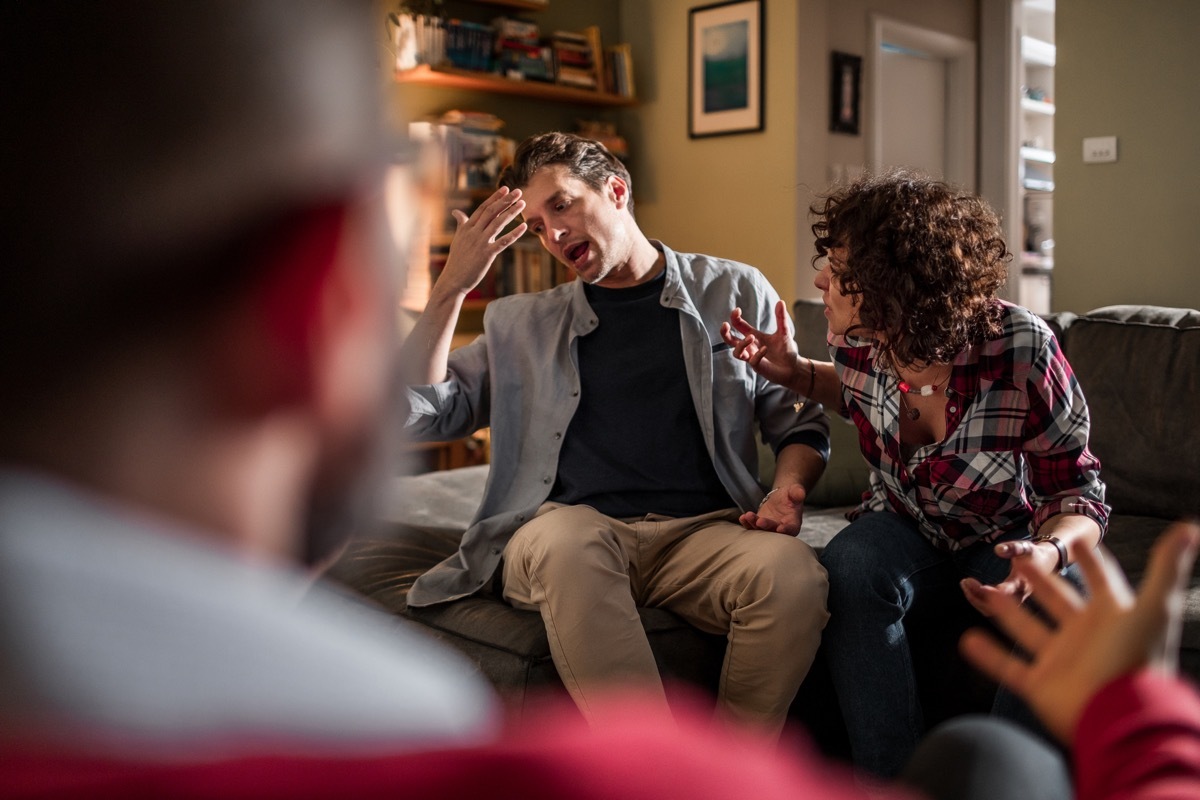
[
  {"x": 846, "y": 75},
  {"x": 725, "y": 68}
]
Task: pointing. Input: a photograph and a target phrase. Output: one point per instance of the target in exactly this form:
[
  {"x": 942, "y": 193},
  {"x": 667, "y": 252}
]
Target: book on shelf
[
  {"x": 530, "y": 269},
  {"x": 520, "y": 52},
  {"x": 470, "y": 45},
  {"x": 578, "y": 59},
  {"x": 618, "y": 61}
]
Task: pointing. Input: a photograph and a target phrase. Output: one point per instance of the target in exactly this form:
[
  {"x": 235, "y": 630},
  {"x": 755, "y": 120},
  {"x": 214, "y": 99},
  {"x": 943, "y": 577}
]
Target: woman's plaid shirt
[{"x": 1015, "y": 452}]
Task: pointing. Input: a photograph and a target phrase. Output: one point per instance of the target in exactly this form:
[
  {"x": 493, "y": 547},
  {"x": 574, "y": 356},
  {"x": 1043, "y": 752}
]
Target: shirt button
[
  {"x": 953, "y": 409},
  {"x": 545, "y": 480},
  {"x": 520, "y": 517},
  {"x": 557, "y": 435},
  {"x": 575, "y": 393}
]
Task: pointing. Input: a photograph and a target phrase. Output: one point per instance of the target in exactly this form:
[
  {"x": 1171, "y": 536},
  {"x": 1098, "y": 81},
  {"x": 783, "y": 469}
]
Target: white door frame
[{"x": 961, "y": 110}]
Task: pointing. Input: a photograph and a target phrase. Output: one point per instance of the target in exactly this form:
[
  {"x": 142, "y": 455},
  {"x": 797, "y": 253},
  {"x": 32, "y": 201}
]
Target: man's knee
[{"x": 787, "y": 572}]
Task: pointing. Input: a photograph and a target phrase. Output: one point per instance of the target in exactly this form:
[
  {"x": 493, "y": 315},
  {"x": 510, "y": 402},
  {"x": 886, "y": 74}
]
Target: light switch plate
[{"x": 1099, "y": 149}]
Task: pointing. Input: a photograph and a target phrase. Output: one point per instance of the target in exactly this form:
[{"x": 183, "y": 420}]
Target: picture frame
[
  {"x": 726, "y": 56},
  {"x": 845, "y": 92}
]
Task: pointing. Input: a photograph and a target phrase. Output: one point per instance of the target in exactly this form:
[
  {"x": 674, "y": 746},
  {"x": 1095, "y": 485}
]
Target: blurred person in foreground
[{"x": 196, "y": 311}]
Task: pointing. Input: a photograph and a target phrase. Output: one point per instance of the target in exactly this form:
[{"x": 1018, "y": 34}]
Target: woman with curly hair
[{"x": 968, "y": 414}]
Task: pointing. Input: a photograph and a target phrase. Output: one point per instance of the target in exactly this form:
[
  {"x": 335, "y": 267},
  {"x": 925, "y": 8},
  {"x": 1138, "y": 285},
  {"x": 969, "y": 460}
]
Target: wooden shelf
[
  {"x": 520, "y": 5},
  {"x": 450, "y": 78}
]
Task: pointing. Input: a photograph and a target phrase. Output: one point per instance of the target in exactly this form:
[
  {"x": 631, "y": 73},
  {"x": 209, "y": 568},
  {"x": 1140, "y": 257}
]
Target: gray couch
[{"x": 1140, "y": 369}]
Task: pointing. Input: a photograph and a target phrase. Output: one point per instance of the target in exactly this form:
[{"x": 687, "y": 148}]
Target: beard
[{"x": 346, "y": 493}]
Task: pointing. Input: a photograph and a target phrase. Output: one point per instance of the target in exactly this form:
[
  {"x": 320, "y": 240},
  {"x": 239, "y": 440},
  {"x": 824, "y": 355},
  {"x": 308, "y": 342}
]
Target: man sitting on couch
[{"x": 624, "y": 458}]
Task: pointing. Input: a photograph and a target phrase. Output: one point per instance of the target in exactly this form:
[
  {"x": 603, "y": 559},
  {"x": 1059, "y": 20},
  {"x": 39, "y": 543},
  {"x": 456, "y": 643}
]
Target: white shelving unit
[{"x": 1035, "y": 161}]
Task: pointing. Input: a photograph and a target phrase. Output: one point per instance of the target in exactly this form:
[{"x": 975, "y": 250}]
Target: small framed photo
[
  {"x": 846, "y": 75},
  {"x": 725, "y": 68}
]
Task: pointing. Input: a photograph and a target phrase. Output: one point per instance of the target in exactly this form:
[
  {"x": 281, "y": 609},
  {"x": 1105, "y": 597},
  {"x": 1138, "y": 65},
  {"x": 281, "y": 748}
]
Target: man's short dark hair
[{"x": 587, "y": 160}]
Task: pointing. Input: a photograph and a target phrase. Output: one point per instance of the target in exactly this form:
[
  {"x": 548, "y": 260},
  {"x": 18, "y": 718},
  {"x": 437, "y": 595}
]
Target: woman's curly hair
[{"x": 924, "y": 260}]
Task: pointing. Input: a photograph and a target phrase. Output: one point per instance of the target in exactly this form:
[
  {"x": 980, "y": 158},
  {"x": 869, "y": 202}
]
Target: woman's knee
[{"x": 851, "y": 554}]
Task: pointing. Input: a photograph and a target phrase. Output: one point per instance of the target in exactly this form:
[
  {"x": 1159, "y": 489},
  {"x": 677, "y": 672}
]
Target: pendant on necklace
[{"x": 913, "y": 414}]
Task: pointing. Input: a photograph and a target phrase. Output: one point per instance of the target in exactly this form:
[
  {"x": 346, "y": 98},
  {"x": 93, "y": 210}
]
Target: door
[
  {"x": 922, "y": 101},
  {"x": 913, "y": 98}
]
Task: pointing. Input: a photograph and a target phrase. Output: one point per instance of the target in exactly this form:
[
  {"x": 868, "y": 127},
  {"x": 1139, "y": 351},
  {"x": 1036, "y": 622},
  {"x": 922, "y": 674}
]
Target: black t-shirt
[{"x": 635, "y": 445}]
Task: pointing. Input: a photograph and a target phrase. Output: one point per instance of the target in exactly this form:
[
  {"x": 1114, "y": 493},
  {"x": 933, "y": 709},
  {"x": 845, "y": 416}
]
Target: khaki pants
[{"x": 586, "y": 574}]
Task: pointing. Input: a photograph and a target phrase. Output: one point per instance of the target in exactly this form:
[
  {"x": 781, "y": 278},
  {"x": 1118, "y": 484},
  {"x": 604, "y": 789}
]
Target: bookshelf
[
  {"x": 1036, "y": 154},
  {"x": 452, "y": 78}
]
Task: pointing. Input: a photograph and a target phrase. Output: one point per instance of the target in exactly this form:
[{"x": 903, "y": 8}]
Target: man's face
[
  {"x": 581, "y": 227},
  {"x": 841, "y": 309}
]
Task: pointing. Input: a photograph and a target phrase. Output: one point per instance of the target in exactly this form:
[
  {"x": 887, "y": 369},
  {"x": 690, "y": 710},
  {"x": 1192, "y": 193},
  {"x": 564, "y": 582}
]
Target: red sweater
[
  {"x": 632, "y": 756},
  {"x": 1139, "y": 739}
]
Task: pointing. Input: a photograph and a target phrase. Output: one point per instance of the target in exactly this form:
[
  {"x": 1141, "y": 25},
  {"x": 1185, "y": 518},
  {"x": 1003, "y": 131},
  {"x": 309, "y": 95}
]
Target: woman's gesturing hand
[{"x": 772, "y": 355}]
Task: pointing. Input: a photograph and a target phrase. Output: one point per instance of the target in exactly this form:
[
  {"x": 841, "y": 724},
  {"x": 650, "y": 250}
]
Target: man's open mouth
[{"x": 576, "y": 252}]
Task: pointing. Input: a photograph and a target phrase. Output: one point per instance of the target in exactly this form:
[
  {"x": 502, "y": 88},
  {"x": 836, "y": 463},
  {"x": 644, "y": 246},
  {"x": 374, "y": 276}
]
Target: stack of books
[
  {"x": 520, "y": 54},
  {"x": 579, "y": 58}
]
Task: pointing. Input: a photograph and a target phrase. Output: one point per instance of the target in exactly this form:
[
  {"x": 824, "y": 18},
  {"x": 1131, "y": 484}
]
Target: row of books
[
  {"x": 517, "y": 49},
  {"x": 524, "y": 267}
]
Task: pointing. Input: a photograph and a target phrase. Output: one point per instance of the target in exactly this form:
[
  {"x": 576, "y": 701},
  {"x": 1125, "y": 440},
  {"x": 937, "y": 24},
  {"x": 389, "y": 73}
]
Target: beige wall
[
  {"x": 730, "y": 196},
  {"x": 1127, "y": 232},
  {"x": 746, "y": 196}
]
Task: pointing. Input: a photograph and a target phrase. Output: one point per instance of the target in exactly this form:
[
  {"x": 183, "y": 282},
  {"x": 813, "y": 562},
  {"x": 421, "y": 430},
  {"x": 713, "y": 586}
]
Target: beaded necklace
[{"x": 924, "y": 391}]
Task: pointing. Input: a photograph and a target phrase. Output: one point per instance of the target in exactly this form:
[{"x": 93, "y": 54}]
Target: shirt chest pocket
[{"x": 972, "y": 485}]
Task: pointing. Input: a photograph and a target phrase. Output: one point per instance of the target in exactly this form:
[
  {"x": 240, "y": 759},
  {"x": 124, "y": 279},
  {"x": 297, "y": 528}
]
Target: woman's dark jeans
[{"x": 879, "y": 567}]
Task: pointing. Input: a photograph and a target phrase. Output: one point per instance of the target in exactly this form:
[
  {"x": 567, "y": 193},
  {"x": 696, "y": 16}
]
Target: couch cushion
[
  {"x": 845, "y": 477},
  {"x": 1138, "y": 366}
]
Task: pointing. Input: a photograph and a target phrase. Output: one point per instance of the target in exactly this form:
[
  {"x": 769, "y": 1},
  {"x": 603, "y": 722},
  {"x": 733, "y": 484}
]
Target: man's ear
[
  {"x": 264, "y": 350},
  {"x": 619, "y": 191}
]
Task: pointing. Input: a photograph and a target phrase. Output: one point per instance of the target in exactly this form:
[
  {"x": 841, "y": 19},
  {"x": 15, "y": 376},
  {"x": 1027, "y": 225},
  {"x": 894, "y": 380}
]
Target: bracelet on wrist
[
  {"x": 1063, "y": 557},
  {"x": 767, "y": 495}
]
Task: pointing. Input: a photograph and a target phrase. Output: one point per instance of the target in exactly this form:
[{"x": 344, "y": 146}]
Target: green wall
[{"x": 1127, "y": 232}]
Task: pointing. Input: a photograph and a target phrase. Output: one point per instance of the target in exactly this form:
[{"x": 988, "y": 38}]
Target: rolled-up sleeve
[
  {"x": 456, "y": 407},
  {"x": 1063, "y": 472}
]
